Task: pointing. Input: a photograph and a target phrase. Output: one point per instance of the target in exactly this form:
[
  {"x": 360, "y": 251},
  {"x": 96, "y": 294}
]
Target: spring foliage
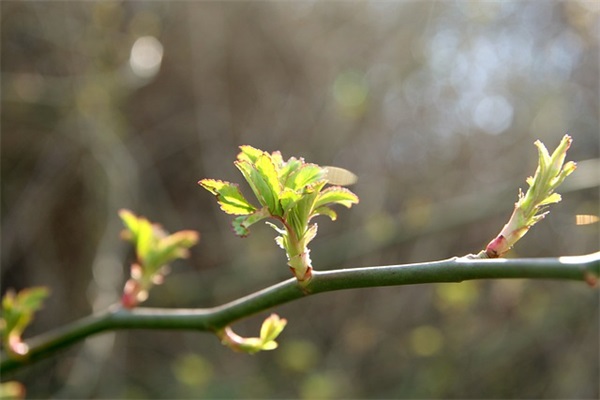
[{"x": 291, "y": 192}]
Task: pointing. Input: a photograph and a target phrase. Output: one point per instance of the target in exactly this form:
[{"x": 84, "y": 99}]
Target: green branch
[{"x": 579, "y": 268}]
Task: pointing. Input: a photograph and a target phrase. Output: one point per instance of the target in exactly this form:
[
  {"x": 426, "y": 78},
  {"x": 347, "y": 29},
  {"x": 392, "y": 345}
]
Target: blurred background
[{"x": 434, "y": 105}]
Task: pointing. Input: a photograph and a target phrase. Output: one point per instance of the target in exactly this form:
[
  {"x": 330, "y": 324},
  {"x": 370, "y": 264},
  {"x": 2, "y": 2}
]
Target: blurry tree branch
[{"x": 577, "y": 268}]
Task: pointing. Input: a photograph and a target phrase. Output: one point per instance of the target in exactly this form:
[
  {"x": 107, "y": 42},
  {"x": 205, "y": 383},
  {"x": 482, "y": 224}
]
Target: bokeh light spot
[
  {"x": 426, "y": 340},
  {"x": 493, "y": 114},
  {"x": 298, "y": 355},
  {"x": 193, "y": 370},
  {"x": 456, "y": 295},
  {"x": 146, "y": 56},
  {"x": 350, "y": 91}
]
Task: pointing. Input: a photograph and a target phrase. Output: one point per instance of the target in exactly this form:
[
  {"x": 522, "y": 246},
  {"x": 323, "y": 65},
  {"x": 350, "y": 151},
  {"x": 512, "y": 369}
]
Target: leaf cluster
[
  {"x": 17, "y": 313},
  {"x": 550, "y": 173},
  {"x": 532, "y": 206},
  {"x": 292, "y": 192},
  {"x": 155, "y": 249}
]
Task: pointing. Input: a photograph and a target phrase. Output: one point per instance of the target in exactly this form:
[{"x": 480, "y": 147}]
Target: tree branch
[{"x": 578, "y": 268}]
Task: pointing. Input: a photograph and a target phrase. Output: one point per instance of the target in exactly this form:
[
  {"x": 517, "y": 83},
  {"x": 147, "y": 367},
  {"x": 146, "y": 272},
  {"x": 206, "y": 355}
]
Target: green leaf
[
  {"x": 271, "y": 345},
  {"x": 241, "y": 224},
  {"x": 260, "y": 185},
  {"x": 17, "y": 312},
  {"x": 544, "y": 157},
  {"x": 230, "y": 199},
  {"x": 145, "y": 239},
  {"x": 553, "y": 198},
  {"x": 324, "y": 210},
  {"x": 249, "y": 154},
  {"x": 298, "y": 216},
  {"x": 336, "y": 195},
  {"x": 307, "y": 174},
  {"x": 288, "y": 198},
  {"x": 277, "y": 160},
  {"x": 131, "y": 223},
  {"x": 267, "y": 169},
  {"x": 32, "y": 298},
  {"x": 140, "y": 232},
  {"x": 172, "y": 247},
  {"x": 567, "y": 170},
  {"x": 310, "y": 234},
  {"x": 288, "y": 168},
  {"x": 272, "y": 327},
  {"x": 558, "y": 155}
]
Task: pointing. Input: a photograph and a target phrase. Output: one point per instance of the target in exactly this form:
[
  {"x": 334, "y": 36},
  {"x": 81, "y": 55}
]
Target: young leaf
[
  {"x": 155, "y": 248},
  {"x": 336, "y": 195},
  {"x": 277, "y": 160},
  {"x": 131, "y": 224},
  {"x": 310, "y": 234},
  {"x": 147, "y": 236},
  {"x": 270, "y": 330},
  {"x": 242, "y": 223},
  {"x": 174, "y": 246},
  {"x": 17, "y": 313},
  {"x": 324, "y": 210},
  {"x": 306, "y": 175},
  {"x": 267, "y": 170},
  {"x": 288, "y": 198},
  {"x": 231, "y": 200},
  {"x": 259, "y": 185},
  {"x": 249, "y": 154},
  {"x": 287, "y": 168}
]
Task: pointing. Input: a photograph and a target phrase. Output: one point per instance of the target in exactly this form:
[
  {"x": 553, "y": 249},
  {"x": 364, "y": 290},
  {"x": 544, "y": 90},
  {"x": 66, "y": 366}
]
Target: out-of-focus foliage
[
  {"x": 154, "y": 249},
  {"x": 11, "y": 390},
  {"x": 17, "y": 312},
  {"x": 434, "y": 105}
]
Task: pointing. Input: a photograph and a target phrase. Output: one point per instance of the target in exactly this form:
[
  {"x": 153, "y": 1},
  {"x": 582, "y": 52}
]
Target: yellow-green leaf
[
  {"x": 249, "y": 154},
  {"x": 267, "y": 169},
  {"x": 336, "y": 195},
  {"x": 324, "y": 210},
  {"x": 259, "y": 184},
  {"x": 230, "y": 198},
  {"x": 307, "y": 174},
  {"x": 288, "y": 198}
]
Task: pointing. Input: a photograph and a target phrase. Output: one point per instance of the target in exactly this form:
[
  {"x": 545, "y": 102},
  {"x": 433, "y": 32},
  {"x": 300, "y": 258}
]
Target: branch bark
[{"x": 578, "y": 268}]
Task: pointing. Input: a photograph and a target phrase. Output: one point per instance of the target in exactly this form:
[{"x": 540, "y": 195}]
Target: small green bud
[
  {"x": 531, "y": 206},
  {"x": 270, "y": 330}
]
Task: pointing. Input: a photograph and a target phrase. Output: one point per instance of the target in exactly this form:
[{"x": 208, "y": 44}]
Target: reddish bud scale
[
  {"x": 130, "y": 294},
  {"x": 305, "y": 277},
  {"x": 497, "y": 247},
  {"x": 128, "y": 300}
]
